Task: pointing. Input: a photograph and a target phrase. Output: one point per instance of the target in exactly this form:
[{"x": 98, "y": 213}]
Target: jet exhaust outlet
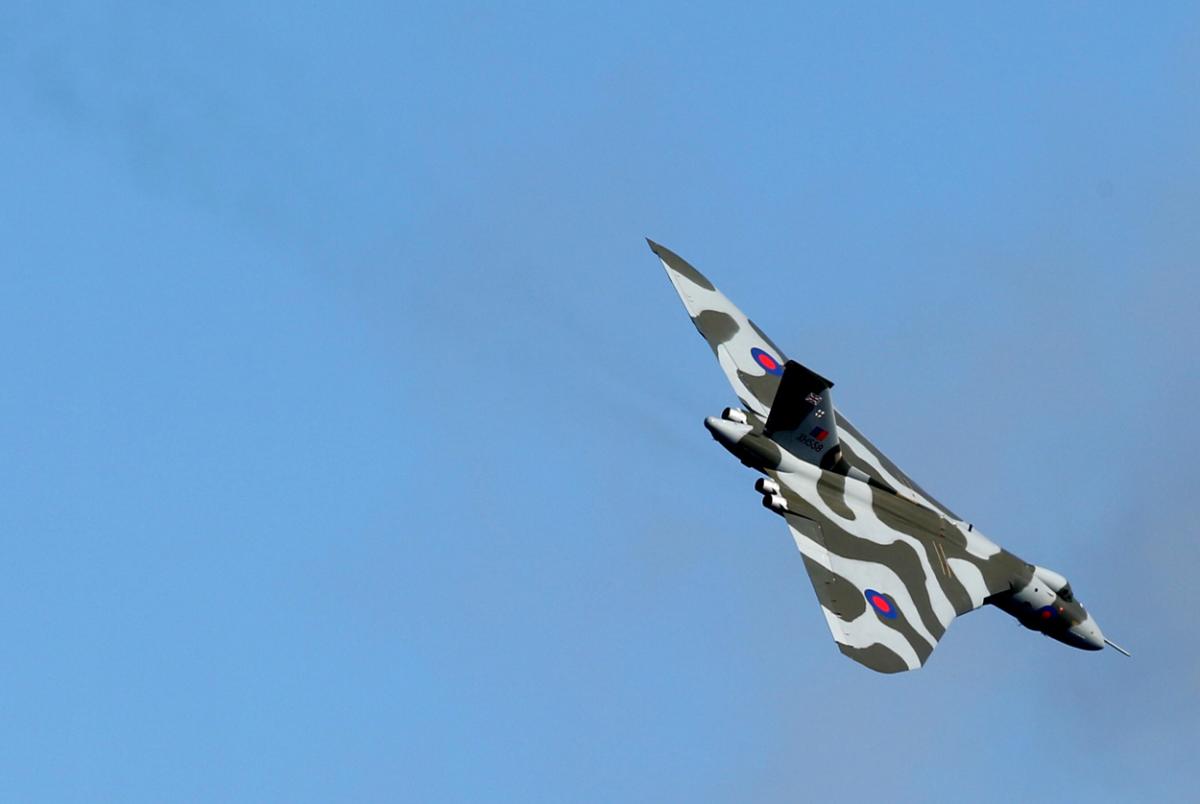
[
  {"x": 776, "y": 503},
  {"x": 734, "y": 415},
  {"x": 766, "y": 486}
]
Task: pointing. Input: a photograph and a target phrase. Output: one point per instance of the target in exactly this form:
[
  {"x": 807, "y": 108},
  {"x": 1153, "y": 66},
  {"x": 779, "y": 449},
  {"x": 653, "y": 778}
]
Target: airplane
[{"x": 891, "y": 566}]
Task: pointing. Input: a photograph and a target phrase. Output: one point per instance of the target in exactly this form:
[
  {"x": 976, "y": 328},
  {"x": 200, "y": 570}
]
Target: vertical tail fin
[{"x": 802, "y": 419}]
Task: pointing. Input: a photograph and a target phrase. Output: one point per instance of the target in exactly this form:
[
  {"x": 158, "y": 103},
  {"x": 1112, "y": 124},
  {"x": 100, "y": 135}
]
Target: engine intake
[{"x": 1051, "y": 578}]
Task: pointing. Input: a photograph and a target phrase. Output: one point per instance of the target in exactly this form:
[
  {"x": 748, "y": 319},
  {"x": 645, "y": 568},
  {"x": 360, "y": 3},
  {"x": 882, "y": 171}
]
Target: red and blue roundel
[
  {"x": 883, "y": 604},
  {"x": 765, "y": 360}
]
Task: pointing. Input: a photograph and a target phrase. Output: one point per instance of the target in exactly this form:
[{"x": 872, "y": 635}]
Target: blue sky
[{"x": 352, "y": 434}]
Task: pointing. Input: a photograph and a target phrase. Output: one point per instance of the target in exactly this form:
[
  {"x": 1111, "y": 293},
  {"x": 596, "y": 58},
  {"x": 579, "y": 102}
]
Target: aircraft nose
[{"x": 1089, "y": 634}]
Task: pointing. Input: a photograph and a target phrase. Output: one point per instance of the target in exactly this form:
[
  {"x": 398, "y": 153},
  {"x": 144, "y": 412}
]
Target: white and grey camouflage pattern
[{"x": 892, "y": 567}]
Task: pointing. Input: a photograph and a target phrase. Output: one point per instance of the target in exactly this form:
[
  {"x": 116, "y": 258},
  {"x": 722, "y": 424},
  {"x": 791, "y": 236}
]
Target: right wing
[
  {"x": 890, "y": 575},
  {"x": 753, "y": 364}
]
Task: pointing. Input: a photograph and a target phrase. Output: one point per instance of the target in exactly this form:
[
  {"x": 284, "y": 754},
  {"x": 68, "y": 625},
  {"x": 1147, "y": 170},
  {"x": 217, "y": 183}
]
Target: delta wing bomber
[{"x": 892, "y": 567}]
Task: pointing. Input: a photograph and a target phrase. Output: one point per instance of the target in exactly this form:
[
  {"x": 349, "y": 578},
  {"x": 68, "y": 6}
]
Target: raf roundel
[
  {"x": 765, "y": 360},
  {"x": 883, "y": 604}
]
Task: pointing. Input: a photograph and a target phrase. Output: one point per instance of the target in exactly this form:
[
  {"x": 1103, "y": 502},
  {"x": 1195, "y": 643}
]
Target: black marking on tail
[{"x": 801, "y": 391}]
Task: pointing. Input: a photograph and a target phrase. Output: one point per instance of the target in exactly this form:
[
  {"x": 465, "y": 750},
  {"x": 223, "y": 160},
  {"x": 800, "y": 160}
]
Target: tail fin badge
[{"x": 766, "y": 361}]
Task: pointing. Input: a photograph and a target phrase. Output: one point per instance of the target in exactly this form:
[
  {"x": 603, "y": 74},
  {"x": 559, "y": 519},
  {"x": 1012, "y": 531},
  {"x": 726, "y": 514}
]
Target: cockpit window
[{"x": 1065, "y": 593}]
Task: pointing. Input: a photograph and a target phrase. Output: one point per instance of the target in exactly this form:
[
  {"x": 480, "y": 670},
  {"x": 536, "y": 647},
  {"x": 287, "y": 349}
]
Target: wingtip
[{"x": 677, "y": 265}]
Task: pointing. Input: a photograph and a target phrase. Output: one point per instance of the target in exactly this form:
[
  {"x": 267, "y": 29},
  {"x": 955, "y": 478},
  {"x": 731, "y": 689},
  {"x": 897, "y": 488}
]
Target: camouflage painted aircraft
[{"x": 891, "y": 566}]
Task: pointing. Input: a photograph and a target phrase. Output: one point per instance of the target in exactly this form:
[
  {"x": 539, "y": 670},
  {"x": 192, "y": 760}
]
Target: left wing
[{"x": 890, "y": 575}]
